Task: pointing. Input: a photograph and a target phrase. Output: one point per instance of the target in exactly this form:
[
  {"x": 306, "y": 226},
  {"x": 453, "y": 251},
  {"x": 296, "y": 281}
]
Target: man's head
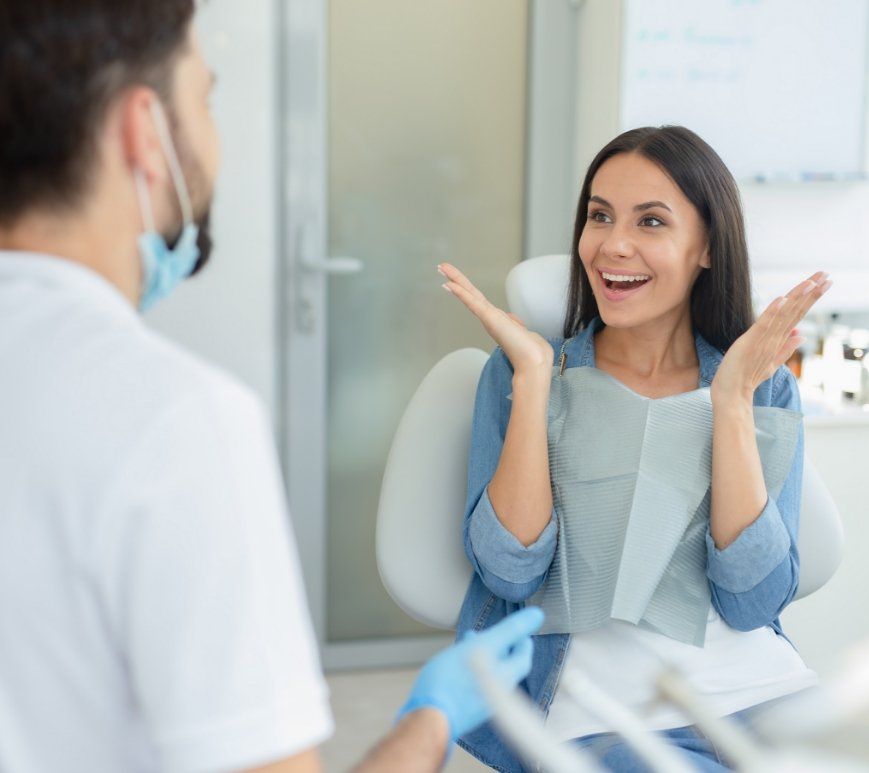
[{"x": 77, "y": 82}]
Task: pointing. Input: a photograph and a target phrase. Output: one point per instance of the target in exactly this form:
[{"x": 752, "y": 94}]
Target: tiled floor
[{"x": 364, "y": 704}]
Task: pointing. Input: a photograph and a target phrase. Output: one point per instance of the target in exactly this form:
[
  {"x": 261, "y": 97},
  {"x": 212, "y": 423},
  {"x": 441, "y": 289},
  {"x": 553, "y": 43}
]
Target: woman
[{"x": 660, "y": 301}]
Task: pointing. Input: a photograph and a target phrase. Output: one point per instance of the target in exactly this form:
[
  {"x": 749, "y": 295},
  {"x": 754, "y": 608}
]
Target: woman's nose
[{"x": 617, "y": 244}]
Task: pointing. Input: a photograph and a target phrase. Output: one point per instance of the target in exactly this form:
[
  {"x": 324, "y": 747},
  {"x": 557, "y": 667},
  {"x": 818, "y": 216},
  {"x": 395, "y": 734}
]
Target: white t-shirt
[
  {"x": 152, "y": 611},
  {"x": 733, "y": 671}
]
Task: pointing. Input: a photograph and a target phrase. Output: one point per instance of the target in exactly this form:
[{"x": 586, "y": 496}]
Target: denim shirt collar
[{"x": 580, "y": 352}]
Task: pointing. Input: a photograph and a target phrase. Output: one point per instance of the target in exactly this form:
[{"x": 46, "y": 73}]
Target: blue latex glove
[{"x": 447, "y": 683}]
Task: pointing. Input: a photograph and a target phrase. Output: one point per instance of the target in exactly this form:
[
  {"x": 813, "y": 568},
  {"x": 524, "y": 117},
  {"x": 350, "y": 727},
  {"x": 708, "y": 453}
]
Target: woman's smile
[{"x": 621, "y": 285}]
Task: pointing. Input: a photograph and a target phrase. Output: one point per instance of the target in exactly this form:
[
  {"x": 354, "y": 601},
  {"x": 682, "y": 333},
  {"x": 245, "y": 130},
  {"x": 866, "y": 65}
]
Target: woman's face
[{"x": 643, "y": 245}]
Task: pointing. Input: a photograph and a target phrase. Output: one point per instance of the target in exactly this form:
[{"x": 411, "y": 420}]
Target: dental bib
[{"x": 631, "y": 480}]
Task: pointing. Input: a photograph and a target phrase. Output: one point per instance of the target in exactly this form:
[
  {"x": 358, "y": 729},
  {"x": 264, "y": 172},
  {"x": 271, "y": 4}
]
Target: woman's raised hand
[
  {"x": 526, "y": 350},
  {"x": 768, "y": 343}
]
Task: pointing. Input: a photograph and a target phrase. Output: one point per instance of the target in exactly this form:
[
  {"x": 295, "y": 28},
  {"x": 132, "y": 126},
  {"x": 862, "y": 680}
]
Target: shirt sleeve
[
  {"x": 509, "y": 569},
  {"x": 755, "y": 577},
  {"x": 205, "y": 595}
]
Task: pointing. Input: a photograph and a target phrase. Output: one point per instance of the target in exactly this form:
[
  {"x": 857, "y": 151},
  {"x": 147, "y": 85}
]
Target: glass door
[{"x": 407, "y": 147}]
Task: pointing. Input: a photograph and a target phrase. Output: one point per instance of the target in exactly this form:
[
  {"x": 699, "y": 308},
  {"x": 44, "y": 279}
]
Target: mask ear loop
[
  {"x": 144, "y": 199},
  {"x": 177, "y": 175}
]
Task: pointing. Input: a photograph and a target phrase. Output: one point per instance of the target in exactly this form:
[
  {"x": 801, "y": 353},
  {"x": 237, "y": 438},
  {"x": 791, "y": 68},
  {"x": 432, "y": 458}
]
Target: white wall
[
  {"x": 228, "y": 313},
  {"x": 809, "y": 225}
]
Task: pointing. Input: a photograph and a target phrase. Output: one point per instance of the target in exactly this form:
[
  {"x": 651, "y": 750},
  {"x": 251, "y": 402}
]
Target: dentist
[{"x": 152, "y": 614}]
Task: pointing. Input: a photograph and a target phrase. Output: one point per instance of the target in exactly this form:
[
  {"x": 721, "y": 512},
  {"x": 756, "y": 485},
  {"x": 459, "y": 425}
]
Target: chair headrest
[{"x": 537, "y": 293}]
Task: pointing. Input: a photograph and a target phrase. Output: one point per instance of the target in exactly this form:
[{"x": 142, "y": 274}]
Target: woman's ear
[{"x": 705, "y": 262}]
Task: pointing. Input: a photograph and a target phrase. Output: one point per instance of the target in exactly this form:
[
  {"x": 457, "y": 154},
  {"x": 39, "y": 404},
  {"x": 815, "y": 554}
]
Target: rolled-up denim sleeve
[
  {"x": 755, "y": 577},
  {"x": 502, "y": 557},
  {"x": 510, "y": 570}
]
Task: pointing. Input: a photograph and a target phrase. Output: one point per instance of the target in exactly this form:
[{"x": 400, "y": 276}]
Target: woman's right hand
[{"x": 527, "y": 351}]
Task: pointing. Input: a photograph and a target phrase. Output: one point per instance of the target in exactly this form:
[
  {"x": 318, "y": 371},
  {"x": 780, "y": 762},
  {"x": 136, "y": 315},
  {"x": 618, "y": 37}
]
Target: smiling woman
[
  {"x": 563, "y": 466},
  {"x": 666, "y": 192}
]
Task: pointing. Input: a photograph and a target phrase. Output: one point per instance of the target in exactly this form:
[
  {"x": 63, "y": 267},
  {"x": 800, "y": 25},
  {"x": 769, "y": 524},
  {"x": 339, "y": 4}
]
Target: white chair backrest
[
  {"x": 821, "y": 540},
  {"x": 419, "y": 523}
]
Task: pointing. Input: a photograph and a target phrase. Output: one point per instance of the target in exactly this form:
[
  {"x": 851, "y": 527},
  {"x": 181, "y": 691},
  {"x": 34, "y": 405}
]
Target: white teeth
[{"x": 620, "y": 278}]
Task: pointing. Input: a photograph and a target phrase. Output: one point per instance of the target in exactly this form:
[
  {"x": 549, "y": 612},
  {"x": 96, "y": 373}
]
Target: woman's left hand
[{"x": 768, "y": 343}]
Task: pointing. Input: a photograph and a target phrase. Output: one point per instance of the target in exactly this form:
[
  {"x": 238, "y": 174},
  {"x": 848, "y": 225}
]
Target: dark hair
[
  {"x": 62, "y": 62},
  {"x": 721, "y": 308}
]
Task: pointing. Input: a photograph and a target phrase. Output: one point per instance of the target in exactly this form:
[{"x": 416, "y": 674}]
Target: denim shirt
[{"x": 751, "y": 580}]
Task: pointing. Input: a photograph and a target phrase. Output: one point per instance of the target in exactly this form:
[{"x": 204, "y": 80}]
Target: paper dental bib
[{"x": 631, "y": 486}]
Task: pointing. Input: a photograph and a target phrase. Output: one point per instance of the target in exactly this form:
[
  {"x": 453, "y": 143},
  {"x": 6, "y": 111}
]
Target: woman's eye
[
  {"x": 598, "y": 216},
  {"x": 657, "y": 221}
]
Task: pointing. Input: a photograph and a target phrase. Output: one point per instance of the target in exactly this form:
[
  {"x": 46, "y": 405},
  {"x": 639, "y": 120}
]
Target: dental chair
[{"x": 420, "y": 555}]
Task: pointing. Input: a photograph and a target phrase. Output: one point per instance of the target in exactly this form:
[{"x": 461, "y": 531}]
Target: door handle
[{"x": 307, "y": 299}]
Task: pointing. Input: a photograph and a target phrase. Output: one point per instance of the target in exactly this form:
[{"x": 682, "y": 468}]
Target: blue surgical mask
[{"x": 163, "y": 269}]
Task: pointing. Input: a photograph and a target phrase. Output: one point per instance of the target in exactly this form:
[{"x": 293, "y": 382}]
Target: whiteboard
[{"x": 777, "y": 87}]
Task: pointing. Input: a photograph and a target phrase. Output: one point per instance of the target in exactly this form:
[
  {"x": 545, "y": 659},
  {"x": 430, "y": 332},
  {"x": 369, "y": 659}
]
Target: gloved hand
[{"x": 447, "y": 683}]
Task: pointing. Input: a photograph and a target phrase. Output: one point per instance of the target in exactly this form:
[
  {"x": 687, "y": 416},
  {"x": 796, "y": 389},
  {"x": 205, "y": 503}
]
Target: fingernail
[
  {"x": 447, "y": 289},
  {"x": 781, "y": 302},
  {"x": 809, "y": 287}
]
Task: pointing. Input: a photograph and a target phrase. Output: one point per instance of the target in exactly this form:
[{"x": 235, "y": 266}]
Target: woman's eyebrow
[
  {"x": 637, "y": 208},
  {"x": 650, "y": 204}
]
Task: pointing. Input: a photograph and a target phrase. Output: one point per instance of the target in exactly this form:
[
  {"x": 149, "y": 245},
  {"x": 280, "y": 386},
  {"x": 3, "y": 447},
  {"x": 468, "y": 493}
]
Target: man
[{"x": 151, "y": 607}]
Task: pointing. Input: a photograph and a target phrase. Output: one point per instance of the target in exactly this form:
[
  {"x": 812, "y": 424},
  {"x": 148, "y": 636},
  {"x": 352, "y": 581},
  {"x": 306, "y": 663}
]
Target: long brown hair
[{"x": 721, "y": 308}]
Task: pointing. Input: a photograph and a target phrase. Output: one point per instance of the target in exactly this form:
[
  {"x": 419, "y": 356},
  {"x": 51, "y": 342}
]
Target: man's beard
[
  {"x": 204, "y": 242},
  {"x": 196, "y": 185}
]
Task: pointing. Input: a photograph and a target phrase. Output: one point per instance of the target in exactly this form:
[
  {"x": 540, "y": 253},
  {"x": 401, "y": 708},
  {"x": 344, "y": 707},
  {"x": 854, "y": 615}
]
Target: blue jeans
[{"x": 615, "y": 755}]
